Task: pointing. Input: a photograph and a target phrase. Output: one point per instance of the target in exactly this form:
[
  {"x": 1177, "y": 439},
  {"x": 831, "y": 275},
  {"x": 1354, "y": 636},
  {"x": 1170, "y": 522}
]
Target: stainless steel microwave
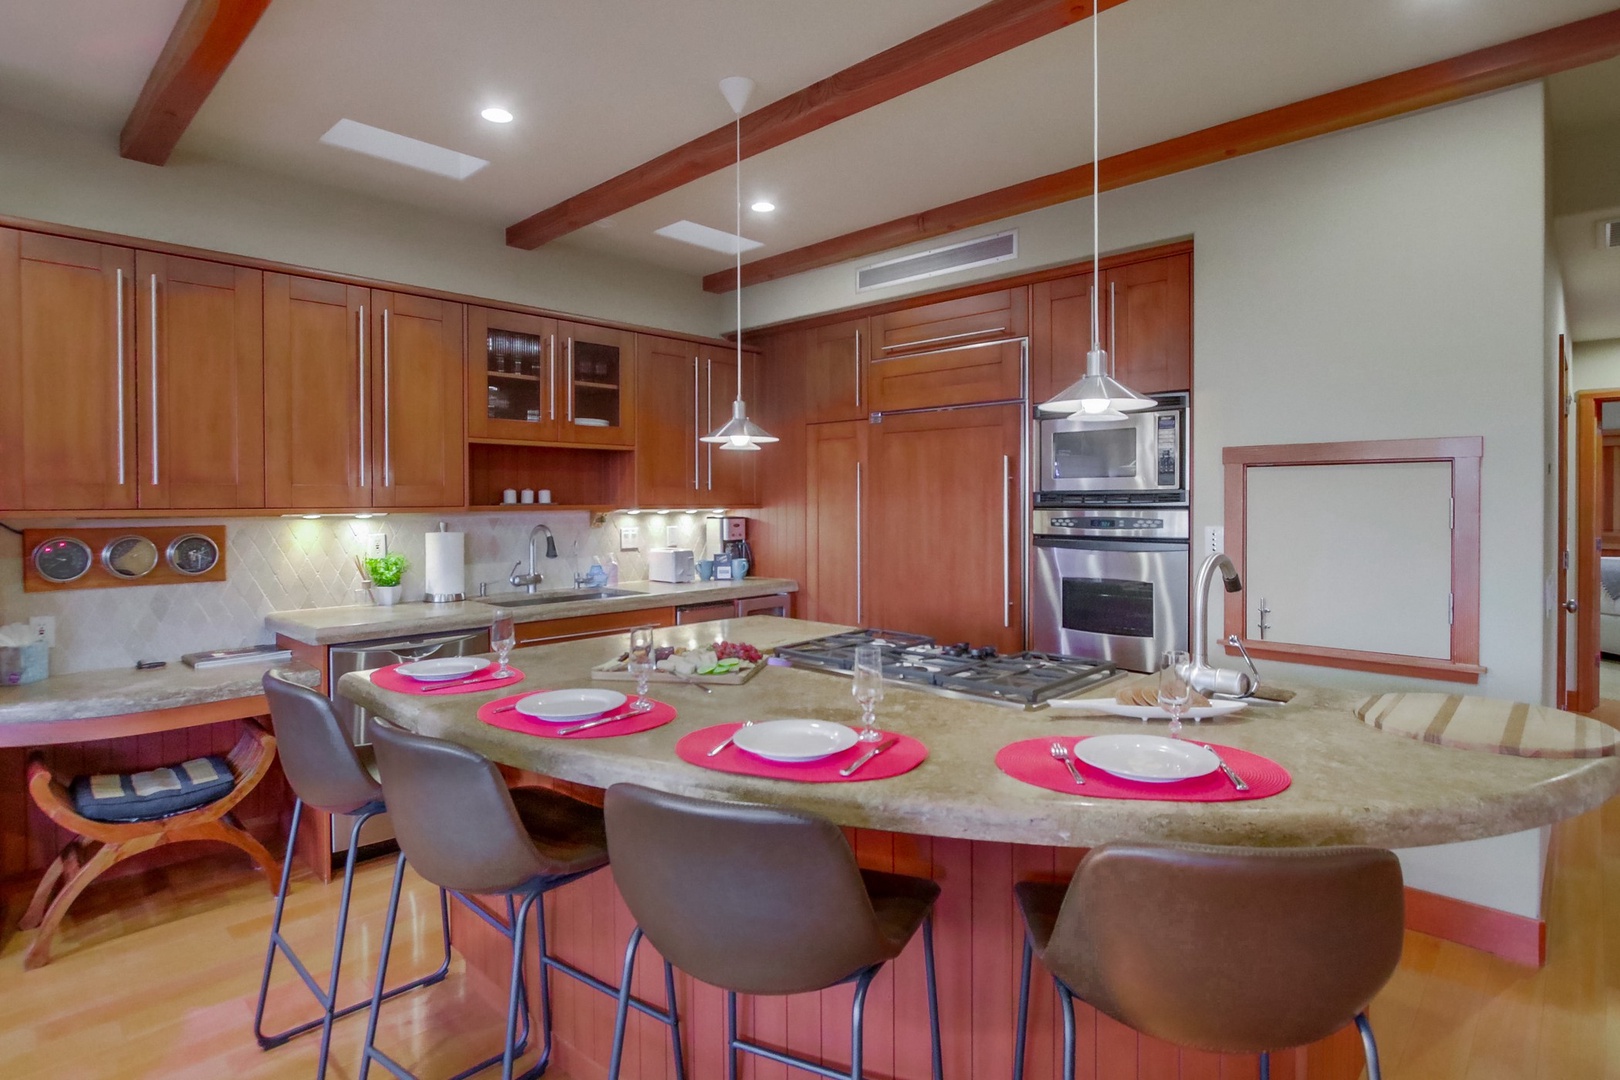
[{"x": 1146, "y": 452}]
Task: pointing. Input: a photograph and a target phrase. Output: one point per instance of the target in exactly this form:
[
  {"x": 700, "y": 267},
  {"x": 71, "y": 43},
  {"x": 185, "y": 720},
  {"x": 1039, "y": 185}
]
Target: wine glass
[
  {"x": 641, "y": 661},
  {"x": 1174, "y": 691},
  {"x": 868, "y": 688},
  {"x": 502, "y": 636}
]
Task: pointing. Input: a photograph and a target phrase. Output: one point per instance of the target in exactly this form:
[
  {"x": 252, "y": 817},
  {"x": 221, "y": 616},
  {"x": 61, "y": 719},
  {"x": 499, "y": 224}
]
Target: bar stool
[
  {"x": 1234, "y": 950},
  {"x": 464, "y": 830},
  {"x": 328, "y": 773},
  {"x": 760, "y": 900}
]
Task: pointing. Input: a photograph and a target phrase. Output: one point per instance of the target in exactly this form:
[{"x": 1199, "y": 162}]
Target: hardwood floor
[{"x": 156, "y": 976}]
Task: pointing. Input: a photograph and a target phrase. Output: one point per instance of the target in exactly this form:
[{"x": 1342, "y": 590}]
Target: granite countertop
[
  {"x": 86, "y": 695},
  {"x": 1352, "y": 783},
  {"x": 363, "y": 622}
]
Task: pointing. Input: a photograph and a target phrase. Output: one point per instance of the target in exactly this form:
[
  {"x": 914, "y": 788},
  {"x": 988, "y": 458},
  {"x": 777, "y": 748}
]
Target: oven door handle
[{"x": 1076, "y": 543}]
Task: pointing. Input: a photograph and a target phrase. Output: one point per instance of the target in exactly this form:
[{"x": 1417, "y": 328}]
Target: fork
[{"x": 1061, "y": 753}]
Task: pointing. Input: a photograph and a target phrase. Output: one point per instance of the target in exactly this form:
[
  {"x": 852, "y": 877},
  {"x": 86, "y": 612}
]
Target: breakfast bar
[{"x": 960, "y": 820}]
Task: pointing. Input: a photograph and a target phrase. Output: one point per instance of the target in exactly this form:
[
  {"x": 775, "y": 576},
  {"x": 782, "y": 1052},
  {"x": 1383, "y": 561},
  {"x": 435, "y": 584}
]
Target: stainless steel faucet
[
  {"x": 1201, "y": 676},
  {"x": 531, "y": 581}
]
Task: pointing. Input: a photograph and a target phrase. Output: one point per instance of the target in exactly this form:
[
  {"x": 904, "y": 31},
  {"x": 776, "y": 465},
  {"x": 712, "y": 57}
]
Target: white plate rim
[
  {"x": 1144, "y": 712},
  {"x": 477, "y": 664},
  {"x": 612, "y": 699},
  {"x": 1102, "y": 742},
  {"x": 746, "y": 735}
]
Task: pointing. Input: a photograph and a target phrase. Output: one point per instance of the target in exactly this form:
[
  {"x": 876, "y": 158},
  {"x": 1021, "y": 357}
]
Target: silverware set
[
  {"x": 624, "y": 714},
  {"x": 1063, "y": 754},
  {"x": 472, "y": 680}
]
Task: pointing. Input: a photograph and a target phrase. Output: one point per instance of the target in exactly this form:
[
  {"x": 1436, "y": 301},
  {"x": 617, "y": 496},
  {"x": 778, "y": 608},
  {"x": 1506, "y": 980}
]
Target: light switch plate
[
  {"x": 44, "y": 627},
  {"x": 1214, "y": 539},
  {"x": 629, "y": 537},
  {"x": 376, "y": 545}
]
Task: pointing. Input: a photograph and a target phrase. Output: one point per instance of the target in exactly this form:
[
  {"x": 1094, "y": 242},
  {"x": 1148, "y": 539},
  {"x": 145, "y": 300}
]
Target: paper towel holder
[{"x": 443, "y": 598}]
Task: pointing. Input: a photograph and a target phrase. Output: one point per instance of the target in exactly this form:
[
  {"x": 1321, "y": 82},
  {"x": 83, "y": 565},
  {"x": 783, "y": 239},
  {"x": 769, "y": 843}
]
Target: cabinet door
[
  {"x": 984, "y": 317},
  {"x": 835, "y": 466},
  {"x": 667, "y": 416},
  {"x": 512, "y": 376},
  {"x": 835, "y": 372},
  {"x": 317, "y": 394},
  {"x": 969, "y": 374},
  {"x": 943, "y": 553},
  {"x": 67, "y": 374},
  {"x": 1060, "y": 335},
  {"x": 1150, "y": 323},
  {"x": 729, "y": 476},
  {"x": 598, "y": 387},
  {"x": 200, "y": 350},
  {"x": 419, "y": 444}
]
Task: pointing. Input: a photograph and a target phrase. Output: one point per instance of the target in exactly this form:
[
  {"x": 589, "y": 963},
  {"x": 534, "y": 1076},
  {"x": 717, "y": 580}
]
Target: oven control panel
[
  {"x": 1165, "y": 523},
  {"x": 1169, "y": 446}
]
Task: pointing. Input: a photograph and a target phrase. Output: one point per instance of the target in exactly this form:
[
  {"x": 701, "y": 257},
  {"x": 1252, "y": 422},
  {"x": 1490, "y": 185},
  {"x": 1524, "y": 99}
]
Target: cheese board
[{"x": 702, "y": 666}]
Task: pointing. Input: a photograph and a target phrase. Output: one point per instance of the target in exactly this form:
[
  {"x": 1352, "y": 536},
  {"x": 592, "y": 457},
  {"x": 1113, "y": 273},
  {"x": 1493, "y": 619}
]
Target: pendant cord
[{"x": 739, "y": 256}]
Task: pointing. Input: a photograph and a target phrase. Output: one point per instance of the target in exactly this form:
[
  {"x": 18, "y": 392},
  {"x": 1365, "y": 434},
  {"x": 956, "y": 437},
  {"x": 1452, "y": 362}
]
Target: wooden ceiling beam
[
  {"x": 1521, "y": 60},
  {"x": 201, "y": 46},
  {"x": 966, "y": 40}
]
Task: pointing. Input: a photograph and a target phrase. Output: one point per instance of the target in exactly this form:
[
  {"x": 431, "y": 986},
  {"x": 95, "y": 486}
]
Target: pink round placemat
[
  {"x": 389, "y": 678},
  {"x": 498, "y": 713},
  {"x": 902, "y": 757},
  {"x": 1031, "y": 761}
]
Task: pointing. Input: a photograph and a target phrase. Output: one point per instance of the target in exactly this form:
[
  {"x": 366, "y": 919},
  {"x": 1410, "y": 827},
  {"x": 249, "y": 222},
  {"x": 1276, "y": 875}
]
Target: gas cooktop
[{"x": 1026, "y": 679}]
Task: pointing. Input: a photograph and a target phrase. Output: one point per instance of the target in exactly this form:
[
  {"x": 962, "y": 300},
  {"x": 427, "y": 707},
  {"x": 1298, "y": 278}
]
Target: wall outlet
[
  {"x": 629, "y": 537},
  {"x": 1214, "y": 539},
  {"x": 376, "y": 545},
  {"x": 44, "y": 627}
]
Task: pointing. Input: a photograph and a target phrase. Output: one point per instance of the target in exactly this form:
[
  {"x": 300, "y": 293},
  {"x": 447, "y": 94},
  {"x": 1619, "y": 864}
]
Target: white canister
[
  {"x": 509, "y": 495},
  {"x": 527, "y": 497},
  {"x": 545, "y": 495}
]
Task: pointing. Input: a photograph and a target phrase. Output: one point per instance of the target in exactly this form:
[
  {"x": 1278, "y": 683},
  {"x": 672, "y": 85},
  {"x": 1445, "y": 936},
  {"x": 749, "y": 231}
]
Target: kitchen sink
[{"x": 559, "y": 596}]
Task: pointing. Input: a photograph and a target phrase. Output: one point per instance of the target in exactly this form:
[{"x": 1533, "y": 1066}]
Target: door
[
  {"x": 1060, "y": 335},
  {"x": 1565, "y": 601},
  {"x": 1589, "y": 503},
  {"x": 317, "y": 394},
  {"x": 942, "y": 548},
  {"x": 200, "y": 371},
  {"x": 512, "y": 376},
  {"x": 597, "y": 367},
  {"x": 419, "y": 439},
  {"x": 1118, "y": 600},
  {"x": 667, "y": 422},
  {"x": 729, "y": 476},
  {"x": 835, "y": 473},
  {"x": 67, "y": 374},
  {"x": 1148, "y": 324},
  {"x": 834, "y": 372}
]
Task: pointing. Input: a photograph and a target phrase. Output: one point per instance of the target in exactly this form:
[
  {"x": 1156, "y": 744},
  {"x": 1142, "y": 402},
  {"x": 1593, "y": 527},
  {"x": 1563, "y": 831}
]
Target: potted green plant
[{"x": 385, "y": 572}]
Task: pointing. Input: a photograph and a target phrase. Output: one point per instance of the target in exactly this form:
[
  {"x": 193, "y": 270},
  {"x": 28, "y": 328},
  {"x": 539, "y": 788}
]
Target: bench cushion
[{"x": 157, "y": 793}]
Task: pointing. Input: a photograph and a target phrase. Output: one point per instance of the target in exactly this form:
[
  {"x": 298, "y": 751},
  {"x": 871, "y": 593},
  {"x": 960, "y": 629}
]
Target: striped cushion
[
  {"x": 1479, "y": 723},
  {"x": 158, "y": 793}
]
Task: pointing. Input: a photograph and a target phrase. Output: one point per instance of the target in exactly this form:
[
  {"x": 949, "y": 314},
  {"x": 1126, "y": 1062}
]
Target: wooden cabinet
[
  {"x": 317, "y": 393},
  {"x": 928, "y": 327},
  {"x": 512, "y": 376},
  {"x": 835, "y": 474},
  {"x": 667, "y": 457},
  {"x": 67, "y": 374},
  {"x": 1145, "y": 317},
  {"x": 598, "y": 390},
  {"x": 200, "y": 376},
  {"x": 729, "y": 477},
  {"x": 551, "y": 631},
  {"x": 834, "y": 363},
  {"x": 942, "y": 544},
  {"x": 1060, "y": 334},
  {"x": 956, "y": 352},
  {"x": 419, "y": 435}
]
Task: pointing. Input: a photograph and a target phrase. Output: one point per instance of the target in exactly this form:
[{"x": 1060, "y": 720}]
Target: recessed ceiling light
[
  {"x": 691, "y": 232},
  {"x": 496, "y": 116},
  {"x": 764, "y": 206},
  {"x": 402, "y": 149}
]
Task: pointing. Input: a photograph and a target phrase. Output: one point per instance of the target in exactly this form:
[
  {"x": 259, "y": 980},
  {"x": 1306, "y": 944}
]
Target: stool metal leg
[
  {"x": 620, "y": 1013},
  {"x": 1265, "y": 1066},
  {"x": 671, "y": 1018},
  {"x": 1067, "y": 1000},
  {"x": 937, "y": 1053},
  {"x": 674, "y": 1020},
  {"x": 1369, "y": 1046},
  {"x": 731, "y": 1036},
  {"x": 857, "y": 1023},
  {"x": 1022, "y": 1029},
  {"x": 369, "y": 1052},
  {"x": 515, "y": 993}
]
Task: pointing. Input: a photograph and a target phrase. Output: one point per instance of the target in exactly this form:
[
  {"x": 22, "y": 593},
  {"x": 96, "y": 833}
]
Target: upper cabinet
[
  {"x": 598, "y": 391},
  {"x": 67, "y": 374},
  {"x": 418, "y": 434},
  {"x": 729, "y": 477},
  {"x": 956, "y": 352},
  {"x": 200, "y": 374},
  {"x": 512, "y": 376},
  {"x": 1145, "y": 323},
  {"x": 835, "y": 372},
  {"x": 685, "y": 391}
]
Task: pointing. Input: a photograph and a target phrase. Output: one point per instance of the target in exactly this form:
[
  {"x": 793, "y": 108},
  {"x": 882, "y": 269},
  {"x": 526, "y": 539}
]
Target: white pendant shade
[
  {"x": 739, "y": 433},
  {"x": 1098, "y": 396}
]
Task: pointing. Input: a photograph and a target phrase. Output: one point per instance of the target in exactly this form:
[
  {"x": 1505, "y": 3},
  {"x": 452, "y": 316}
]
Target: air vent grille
[
  {"x": 945, "y": 260},
  {"x": 1609, "y": 234}
]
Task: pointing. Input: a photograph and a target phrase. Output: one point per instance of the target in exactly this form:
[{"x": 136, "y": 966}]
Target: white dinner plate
[
  {"x": 1144, "y": 712},
  {"x": 442, "y": 670},
  {"x": 561, "y": 706},
  {"x": 1151, "y": 759},
  {"x": 795, "y": 740}
]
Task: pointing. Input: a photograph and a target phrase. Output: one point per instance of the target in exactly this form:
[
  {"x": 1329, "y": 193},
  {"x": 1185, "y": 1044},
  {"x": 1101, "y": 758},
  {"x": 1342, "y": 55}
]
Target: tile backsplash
[{"x": 276, "y": 564}]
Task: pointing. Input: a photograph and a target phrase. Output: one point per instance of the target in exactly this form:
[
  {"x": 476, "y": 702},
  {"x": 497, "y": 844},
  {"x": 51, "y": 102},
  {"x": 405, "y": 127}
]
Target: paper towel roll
[{"x": 446, "y": 569}]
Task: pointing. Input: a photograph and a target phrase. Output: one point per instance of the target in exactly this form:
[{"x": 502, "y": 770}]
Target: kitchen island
[{"x": 961, "y": 821}]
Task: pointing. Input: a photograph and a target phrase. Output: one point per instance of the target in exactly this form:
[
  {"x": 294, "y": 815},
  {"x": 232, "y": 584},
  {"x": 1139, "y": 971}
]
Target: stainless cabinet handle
[
  {"x": 1113, "y": 356},
  {"x": 697, "y": 428},
  {"x": 360, "y": 320},
  {"x": 710, "y": 370},
  {"x": 153, "y": 312},
  {"x": 1006, "y": 543},
  {"x": 858, "y": 567},
  {"x": 551, "y": 375},
  {"x": 857, "y": 386},
  {"x": 388, "y": 457},
  {"x": 947, "y": 337},
  {"x": 120, "y": 372},
  {"x": 568, "y": 400}
]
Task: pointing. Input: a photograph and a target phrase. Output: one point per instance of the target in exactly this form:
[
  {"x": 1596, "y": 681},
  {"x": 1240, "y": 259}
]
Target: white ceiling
[{"x": 600, "y": 86}]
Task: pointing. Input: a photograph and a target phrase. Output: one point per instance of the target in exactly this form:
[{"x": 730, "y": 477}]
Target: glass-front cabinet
[
  {"x": 534, "y": 379},
  {"x": 597, "y": 388}
]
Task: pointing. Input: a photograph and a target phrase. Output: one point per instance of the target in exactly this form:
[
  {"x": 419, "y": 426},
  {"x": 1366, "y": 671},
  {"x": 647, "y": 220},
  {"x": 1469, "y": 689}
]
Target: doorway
[{"x": 1595, "y": 598}]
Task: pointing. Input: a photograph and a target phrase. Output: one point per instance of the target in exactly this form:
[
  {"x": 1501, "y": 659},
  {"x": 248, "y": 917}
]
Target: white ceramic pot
[{"x": 386, "y": 595}]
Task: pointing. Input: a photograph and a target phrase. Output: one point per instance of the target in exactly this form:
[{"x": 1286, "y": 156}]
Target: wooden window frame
[{"x": 1463, "y": 454}]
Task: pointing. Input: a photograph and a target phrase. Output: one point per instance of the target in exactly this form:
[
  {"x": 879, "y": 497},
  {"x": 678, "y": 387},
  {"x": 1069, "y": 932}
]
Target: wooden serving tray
[{"x": 615, "y": 671}]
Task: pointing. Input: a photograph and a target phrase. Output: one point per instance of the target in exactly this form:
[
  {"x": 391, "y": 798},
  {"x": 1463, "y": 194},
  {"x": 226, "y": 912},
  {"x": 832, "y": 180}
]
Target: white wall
[
  {"x": 63, "y": 176},
  {"x": 1596, "y": 365}
]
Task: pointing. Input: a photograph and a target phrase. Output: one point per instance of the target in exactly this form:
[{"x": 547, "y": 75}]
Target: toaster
[{"x": 677, "y": 565}]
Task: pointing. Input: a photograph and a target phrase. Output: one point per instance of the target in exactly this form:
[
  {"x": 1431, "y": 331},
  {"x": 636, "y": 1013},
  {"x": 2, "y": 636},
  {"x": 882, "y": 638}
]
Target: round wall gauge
[
  {"x": 130, "y": 557},
  {"x": 193, "y": 553},
  {"x": 62, "y": 559}
]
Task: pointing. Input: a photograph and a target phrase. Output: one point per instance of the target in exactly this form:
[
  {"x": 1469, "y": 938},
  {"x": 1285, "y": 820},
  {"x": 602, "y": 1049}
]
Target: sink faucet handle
[
  {"x": 1254, "y": 674},
  {"x": 513, "y": 578}
]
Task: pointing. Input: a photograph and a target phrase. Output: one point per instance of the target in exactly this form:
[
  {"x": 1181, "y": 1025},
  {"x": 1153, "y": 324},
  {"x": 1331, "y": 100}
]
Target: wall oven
[
  {"x": 1110, "y": 583},
  {"x": 1141, "y": 459}
]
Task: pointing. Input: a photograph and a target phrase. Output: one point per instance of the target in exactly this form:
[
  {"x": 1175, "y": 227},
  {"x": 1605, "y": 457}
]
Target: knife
[
  {"x": 1237, "y": 781},
  {"x": 634, "y": 710},
  {"x": 460, "y": 684},
  {"x": 849, "y": 770}
]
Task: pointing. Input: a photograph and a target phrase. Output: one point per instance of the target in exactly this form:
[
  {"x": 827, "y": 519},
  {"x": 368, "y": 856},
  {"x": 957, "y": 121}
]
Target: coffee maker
[{"x": 729, "y": 536}]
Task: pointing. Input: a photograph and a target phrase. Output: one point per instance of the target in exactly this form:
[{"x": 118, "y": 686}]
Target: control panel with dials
[{"x": 107, "y": 557}]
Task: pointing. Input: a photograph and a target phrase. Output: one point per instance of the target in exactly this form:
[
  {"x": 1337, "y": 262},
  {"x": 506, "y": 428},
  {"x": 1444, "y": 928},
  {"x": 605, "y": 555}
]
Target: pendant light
[
  {"x": 1098, "y": 396},
  {"x": 738, "y": 433}
]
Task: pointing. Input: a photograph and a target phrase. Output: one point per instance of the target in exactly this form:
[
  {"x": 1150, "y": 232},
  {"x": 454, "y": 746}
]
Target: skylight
[
  {"x": 690, "y": 232},
  {"x": 402, "y": 149}
]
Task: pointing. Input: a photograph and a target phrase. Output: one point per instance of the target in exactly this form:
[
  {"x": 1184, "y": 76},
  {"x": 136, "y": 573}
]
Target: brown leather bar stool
[
  {"x": 464, "y": 830},
  {"x": 1234, "y": 950},
  {"x": 328, "y": 773},
  {"x": 760, "y": 900}
]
